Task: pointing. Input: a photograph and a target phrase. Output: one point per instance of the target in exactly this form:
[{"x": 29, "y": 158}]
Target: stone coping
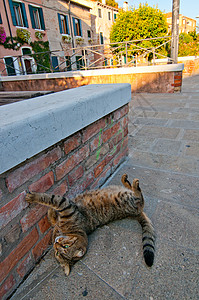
[
  {"x": 31, "y": 126},
  {"x": 99, "y": 72}
]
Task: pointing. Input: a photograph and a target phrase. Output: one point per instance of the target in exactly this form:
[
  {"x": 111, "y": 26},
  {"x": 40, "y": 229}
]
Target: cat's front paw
[{"x": 30, "y": 197}]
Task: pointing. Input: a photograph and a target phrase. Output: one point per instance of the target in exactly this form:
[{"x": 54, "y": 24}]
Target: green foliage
[
  {"x": 24, "y": 35},
  {"x": 188, "y": 44},
  {"x": 142, "y": 23},
  {"x": 112, "y": 3},
  {"x": 41, "y": 56}
]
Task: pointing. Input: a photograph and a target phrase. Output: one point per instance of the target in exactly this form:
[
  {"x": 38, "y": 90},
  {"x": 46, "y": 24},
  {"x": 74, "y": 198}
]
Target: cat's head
[{"x": 68, "y": 249}]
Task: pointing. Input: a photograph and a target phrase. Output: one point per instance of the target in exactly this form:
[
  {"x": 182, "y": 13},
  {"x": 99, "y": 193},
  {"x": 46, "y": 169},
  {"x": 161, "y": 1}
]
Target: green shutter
[
  {"x": 31, "y": 16},
  {"x": 24, "y": 15},
  {"x": 66, "y": 18},
  {"x": 12, "y": 13},
  {"x": 59, "y": 19},
  {"x": 74, "y": 28},
  {"x": 41, "y": 18},
  {"x": 80, "y": 27}
]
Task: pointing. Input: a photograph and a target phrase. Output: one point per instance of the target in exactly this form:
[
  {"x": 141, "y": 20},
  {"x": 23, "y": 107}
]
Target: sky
[{"x": 188, "y": 8}]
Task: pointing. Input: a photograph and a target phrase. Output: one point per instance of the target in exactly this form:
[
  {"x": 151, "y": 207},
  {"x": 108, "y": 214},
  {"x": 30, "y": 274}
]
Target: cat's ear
[
  {"x": 79, "y": 253},
  {"x": 135, "y": 185},
  {"x": 67, "y": 269},
  {"x": 125, "y": 181}
]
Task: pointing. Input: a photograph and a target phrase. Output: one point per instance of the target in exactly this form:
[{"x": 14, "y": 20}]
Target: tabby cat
[{"x": 74, "y": 219}]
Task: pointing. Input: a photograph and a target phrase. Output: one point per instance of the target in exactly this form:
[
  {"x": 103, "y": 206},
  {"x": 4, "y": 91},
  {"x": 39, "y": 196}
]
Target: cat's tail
[{"x": 148, "y": 238}]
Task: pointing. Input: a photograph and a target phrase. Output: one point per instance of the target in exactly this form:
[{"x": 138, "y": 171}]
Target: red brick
[
  {"x": 66, "y": 166},
  {"x": 61, "y": 189},
  {"x": 81, "y": 187},
  {"x": 75, "y": 175},
  {"x": 44, "y": 224},
  {"x": 120, "y": 157},
  {"x": 125, "y": 122},
  {"x": 33, "y": 216},
  {"x": 72, "y": 143},
  {"x": 101, "y": 178},
  {"x": 25, "y": 266},
  {"x": 12, "y": 209},
  {"x": 107, "y": 134},
  {"x": 29, "y": 170},
  {"x": 93, "y": 129},
  {"x": 118, "y": 114},
  {"x": 177, "y": 77},
  {"x": 7, "y": 286},
  {"x": 43, "y": 184},
  {"x": 18, "y": 253},
  {"x": 96, "y": 142},
  {"x": 41, "y": 247},
  {"x": 98, "y": 170}
]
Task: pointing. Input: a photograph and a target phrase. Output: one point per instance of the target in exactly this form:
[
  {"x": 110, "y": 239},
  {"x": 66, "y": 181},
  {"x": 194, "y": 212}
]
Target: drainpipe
[
  {"x": 69, "y": 13},
  {"x": 8, "y": 21}
]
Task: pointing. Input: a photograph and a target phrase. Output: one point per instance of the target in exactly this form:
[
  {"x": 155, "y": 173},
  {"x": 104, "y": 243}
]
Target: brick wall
[
  {"x": 82, "y": 161},
  {"x": 191, "y": 65},
  {"x": 153, "y": 79}
]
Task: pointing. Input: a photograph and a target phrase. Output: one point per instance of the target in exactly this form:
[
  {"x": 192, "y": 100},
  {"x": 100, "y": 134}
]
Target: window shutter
[
  {"x": 12, "y": 13},
  {"x": 80, "y": 27},
  {"x": 24, "y": 15},
  {"x": 41, "y": 18},
  {"x": 0, "y": 19},
  {"x": 59, "y": 19},
  {"x": 74, "y": 28},
  {"x": 31, "y": 16},
  {"x": 66, "y": 18}
]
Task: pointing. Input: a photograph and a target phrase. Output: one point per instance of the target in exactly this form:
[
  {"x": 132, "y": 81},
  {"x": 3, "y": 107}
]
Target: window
[
  {"x": 99, "y": 13},
  {"x": 79, "y": 62},
  {"x": 0, "y": 19},
  {"x": 77, "y": 27},
  {"x": 115, "y": 17},
  {"x": 37, "y": 18},
  {"x": 89, "y": 33},
  {"x": 63, "y": 24},
  {"x": 18, "y": 14},
  {"x": 10, "y": 66},
  {"x": 101, "y": 38},
  {"x": 26, "y": 51},
  {"x": 109, "y": 15},
  {"x": 68, "y": 63},
  {"x": 55, "y": 63}
]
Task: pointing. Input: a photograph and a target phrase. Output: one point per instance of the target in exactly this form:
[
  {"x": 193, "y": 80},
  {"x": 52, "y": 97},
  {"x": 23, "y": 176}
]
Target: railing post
[
  {"x": 126, "y": 54},
  {"x": 22, "y": 66},
  {"x": 85, "y": 67},
  {"x": 153, "y": 56}
]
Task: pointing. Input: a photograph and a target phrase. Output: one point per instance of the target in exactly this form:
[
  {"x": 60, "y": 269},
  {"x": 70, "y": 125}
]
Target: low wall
[
  {"x": 191, "y": 65},
  {"x": 151, "y": 79},
  {"x": 61, "y": 143}
]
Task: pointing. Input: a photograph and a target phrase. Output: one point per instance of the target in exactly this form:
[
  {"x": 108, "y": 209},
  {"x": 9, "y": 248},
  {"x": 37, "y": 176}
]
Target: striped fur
[{"x": 74, "y": 219}]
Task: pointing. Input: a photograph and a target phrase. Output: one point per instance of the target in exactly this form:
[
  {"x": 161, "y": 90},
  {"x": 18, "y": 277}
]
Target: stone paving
[{"x": 164, "y": 155}]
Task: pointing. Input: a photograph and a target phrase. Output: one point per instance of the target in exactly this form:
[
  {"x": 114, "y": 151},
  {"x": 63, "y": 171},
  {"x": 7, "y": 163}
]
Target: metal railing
[{"x": 114, "y": 55}]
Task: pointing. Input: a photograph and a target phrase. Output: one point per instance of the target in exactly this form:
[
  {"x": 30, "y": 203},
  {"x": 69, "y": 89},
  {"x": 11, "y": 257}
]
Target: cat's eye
[
  {"x": 57, "y": 253},
  {"x": 65, "y": 246}
]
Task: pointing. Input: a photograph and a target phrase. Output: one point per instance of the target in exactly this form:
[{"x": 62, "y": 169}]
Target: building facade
[
  {"x": 186, "y": 24},
  {"x": 55, "y": 26}
]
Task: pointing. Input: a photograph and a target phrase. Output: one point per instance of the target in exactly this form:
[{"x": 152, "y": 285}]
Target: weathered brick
[
  {"x": 75, "y": 175},
  {"x": 41, "y": 247},
  {"x": 96, "y": 142},
  {"x": 61, "y": 189},
  {"x": 7, "y": 286},
  {"x": 98, "y": 170},
  {"x": 29, "y": 170},
  {"x": 81, "y": 187},
  {"x": 1, "y": 193},
  {"x": 66, "y": 166},
  {"x": 12, "y": 209},
  {"x": 13, "y": 234},
  {"x": 176, "y": 77},
  {"x": 18, "y": 253},
  {"x": 43, "y": 184},
  {"x": 118, "y": 114},
  {"x": 33, "y": 216},
  {"x": 44, "y": 224},
  {"x": 107, "y": 134},
  {"x": 72, "y": 143},
  {"x": 102, "y": 151},
  {"x": 93, "y": 129},
  {"x": 102, "y": 178},
  {"x": 120, "y": 157},
  {"x": 25, "y": 266}
]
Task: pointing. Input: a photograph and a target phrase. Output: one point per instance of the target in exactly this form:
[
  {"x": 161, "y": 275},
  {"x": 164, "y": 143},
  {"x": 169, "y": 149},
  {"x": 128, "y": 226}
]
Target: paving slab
[{"x": 163, "y": 154}]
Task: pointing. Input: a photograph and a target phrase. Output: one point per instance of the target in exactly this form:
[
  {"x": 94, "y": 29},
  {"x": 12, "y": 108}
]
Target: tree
[
  {"x": 142, "y": 23},
  {"x": 188, "y": 44}
]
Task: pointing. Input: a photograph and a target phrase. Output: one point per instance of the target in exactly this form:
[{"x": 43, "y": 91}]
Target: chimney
[{"x": 125, "y": 6}]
